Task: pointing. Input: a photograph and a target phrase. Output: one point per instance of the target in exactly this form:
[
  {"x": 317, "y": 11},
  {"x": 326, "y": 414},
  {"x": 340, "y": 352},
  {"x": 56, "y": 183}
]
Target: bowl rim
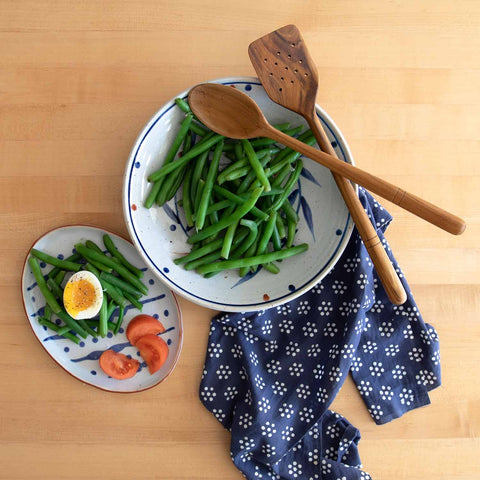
[
  {"x": 177, "y": 306},
  {"x": 331, "y": 125}
]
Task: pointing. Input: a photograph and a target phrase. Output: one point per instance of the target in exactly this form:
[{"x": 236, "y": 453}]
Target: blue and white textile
[{"x": 270, "y": 375}]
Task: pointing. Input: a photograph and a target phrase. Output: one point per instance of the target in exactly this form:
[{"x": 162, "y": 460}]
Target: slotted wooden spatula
[{"x": 290, "y": 78}]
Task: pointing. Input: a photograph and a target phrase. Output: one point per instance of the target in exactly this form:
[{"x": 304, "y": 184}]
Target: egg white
[{"x": 72, "y": 287}]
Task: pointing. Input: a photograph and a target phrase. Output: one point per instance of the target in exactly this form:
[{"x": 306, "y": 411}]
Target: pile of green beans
[
  {"x": 234, "y": 195},
  {"x": 120, "y": 280}
]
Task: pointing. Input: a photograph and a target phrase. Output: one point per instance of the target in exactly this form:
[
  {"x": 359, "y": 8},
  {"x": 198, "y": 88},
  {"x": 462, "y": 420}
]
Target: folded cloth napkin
[{"x": 270, "y": 376}]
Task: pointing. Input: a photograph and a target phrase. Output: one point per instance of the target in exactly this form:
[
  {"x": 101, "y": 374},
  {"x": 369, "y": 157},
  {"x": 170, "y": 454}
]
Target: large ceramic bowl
[{"x": 160, "y": 233}]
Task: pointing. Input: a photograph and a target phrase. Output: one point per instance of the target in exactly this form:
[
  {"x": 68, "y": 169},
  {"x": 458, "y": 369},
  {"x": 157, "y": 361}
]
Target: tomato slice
[
  {"x": 153, "y": 350},
  {"x": 118, "y": 365},
  {"x": 142, "y": 325}
]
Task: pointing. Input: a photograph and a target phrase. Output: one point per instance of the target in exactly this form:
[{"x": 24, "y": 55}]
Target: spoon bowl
[{"x": 239, "y": 116}]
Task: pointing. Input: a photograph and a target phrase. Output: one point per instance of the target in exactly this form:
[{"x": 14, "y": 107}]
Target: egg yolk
[{"x": 78, "y": 296}]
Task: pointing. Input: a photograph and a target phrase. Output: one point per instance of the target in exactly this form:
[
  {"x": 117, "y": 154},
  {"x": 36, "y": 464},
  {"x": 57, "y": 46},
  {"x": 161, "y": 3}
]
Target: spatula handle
[
  {"x": 416, "y": 205},
  {"x": 386, "y": 272}
]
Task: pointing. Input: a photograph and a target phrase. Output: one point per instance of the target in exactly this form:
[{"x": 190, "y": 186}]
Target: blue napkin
[{"x": 270, "y": 376}]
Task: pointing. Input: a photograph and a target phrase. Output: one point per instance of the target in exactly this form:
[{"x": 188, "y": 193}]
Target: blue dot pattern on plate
[
  {"x": 94, "y": 340},
  {"x": 169, "y": 341},
  {"x": 33, "y": 299},
  {"x": 43, "y": 264},
  {"x": 291, "y": 288},
  {"x": 60, "y": 256},
  {"x": 166, "y": 313},
  {"x": 173, "y": 228},
  {"x": 166, "y": 270},
  {"x": 248, "y": 88},
  {"x": 109, "y": 334},
  {"x": 137, "y": 164},
  {"x": 334, "y": 144},
  {"x": 66, "y": 349},
  {"x": 93, "y": 372},
  {"x": 82, "y": 344},
  {"x": 155, "y": 315},
  {"x": 151, "y": 281},
  {"x": 338, "y": 232}
]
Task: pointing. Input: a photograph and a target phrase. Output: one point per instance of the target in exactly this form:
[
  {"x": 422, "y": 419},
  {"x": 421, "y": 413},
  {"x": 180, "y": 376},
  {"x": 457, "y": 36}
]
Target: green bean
[
  {"x": 120, "y": 269},
  {"x": 242, "y": 171},
  {"x": 102, "y": 323},
  {"x": 228, "y": 239},
  {"x": 238, "y": 151},
  {"x": 257, "y": 167},
  {"x": 276, "y": 241},
  {"x": 290, "y": 158},
  {"x": 238, "y": 214},
  {"x": 215, "y": 254},
  {"x": 47, "y": 312},
  {"x": 256, "y": 260},
  {"x": 249, "y": 253},
  {"x": 239, "y": 201},
  {"x": 252, "y": 235},
  {"x": 117, "y": 254},
  {"x": 118, "y": 282},
  {"x": 87, "y": 328},
  {"x": 287, "y": 150},
  {"x": 56, "y": 262},
  {"x": 168, "y": 160},
  {"x": 282, "y": 175},
  {"x": 207, "y": 189},
  {"x": 57, "y": 329},
  {"x": 288, "y": 185},
  {"x": 59, "y": 277},
  {"x": 72, "y": 258},
  {"x": 198, "y": 196},
  {"x": 92, "y": 269},
  {"x": 289, "y": 211},
  {"x": 133, "y": 301},
  {"x": 111, "y": 306},
  {"x": 72, "y": 323},
  {"x": 112, "y": 292},
  {"x": 291, "y": 231},
  {"x": 121, "y": 312},
  {"x": 42, "y": 284},
  {"x": 93, "y": 246},
  {"x": 55, "y": 289},
  {"x": 199, "y": 148},
  {"x": 271, "y": 267},
  {"x": 200, "y": 252},
  {"x": 267, "y": 233},
  {"x": 215, "y": 207},
  {"x": 198, "y": 129},
  {"x": 183, "y": 105},
  {"x": 280, "y": 227},
  {"x": 293, "y": 131},
  {"x": 187, "y": 203}
]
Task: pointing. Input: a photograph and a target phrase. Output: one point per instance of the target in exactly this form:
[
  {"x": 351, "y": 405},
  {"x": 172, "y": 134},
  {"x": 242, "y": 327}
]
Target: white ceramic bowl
[
  {"x": 160, "y": 233},
  {"x": 81, "y": 360}
]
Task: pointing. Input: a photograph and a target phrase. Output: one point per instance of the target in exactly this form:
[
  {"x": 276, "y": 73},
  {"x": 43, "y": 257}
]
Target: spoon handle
[
  {"x": 385, "y": 270},
  {"x": 416, "y": 205}
]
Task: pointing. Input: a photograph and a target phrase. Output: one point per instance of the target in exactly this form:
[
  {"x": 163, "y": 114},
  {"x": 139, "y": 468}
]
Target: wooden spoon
[
  {"x": 234, "y": 114},
  {"x": 290, "y": 78}
]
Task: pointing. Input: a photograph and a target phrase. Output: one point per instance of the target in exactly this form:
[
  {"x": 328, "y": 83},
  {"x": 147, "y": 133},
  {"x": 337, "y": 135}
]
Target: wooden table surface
[{"x": 78, "y": 80}]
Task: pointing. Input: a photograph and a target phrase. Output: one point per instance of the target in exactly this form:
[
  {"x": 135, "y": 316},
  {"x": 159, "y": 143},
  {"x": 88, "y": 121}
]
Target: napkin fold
[{"x": 271, "y": 375}]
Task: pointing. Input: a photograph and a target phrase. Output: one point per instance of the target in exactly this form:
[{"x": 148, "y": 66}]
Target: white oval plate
[
  {"x": 160, "y": 234},
  {"x": 81, "y": 360}
]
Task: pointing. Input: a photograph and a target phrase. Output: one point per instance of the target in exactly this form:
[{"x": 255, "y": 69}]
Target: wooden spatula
[{"x": 290, "y": 78}]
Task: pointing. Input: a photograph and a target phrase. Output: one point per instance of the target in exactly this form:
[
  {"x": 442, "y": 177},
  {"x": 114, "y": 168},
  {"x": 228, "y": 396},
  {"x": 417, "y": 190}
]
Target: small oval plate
[{"x": 81, "y": 360}]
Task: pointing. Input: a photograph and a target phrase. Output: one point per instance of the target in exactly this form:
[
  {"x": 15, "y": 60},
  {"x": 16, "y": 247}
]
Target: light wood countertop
[{"x": 78, "y": 80}]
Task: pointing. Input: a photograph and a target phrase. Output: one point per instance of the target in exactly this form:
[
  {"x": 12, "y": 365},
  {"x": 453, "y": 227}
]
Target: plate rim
[
  {"x": 187, "y": 295},
  {"x": 177, "y": 305}
]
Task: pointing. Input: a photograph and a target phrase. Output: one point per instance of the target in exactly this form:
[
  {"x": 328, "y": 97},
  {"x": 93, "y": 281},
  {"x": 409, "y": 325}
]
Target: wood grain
[{"x": 78, "y": 80}]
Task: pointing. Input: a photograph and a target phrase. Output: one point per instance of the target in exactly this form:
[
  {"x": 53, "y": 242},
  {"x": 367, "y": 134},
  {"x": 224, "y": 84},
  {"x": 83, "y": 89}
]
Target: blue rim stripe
[{"x": 239, "y": 305}]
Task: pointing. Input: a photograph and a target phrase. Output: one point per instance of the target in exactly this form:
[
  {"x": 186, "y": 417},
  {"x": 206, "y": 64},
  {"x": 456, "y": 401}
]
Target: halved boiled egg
[{"x": 83, "y": 295}]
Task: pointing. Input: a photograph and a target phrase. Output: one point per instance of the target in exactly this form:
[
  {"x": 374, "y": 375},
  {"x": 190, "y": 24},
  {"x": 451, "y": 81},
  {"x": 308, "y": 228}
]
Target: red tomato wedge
[
  {"x": 153, "y": 350},
  {"x": 118, "y": 365},
  {"x": 142, "y": 325}
]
